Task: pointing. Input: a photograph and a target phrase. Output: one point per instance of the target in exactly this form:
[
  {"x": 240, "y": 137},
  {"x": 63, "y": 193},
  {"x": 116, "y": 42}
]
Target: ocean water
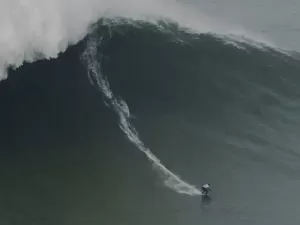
[{"x": 142, "y": 103}]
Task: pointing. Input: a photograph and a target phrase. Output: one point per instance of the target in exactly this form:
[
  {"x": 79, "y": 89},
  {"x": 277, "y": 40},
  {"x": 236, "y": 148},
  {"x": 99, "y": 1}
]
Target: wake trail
[{"x": 96, "y": 77}]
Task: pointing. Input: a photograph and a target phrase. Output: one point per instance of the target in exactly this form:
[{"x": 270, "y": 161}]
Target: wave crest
[{"x": 41, "y": 29}]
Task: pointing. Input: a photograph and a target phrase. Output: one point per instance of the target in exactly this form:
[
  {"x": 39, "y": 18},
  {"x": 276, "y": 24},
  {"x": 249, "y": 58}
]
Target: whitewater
[{"x": 41, "y": 29}]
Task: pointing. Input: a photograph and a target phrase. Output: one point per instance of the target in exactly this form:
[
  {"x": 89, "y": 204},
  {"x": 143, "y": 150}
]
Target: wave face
[
  {"x": 234, "y": 93},
  {"x": 202, "y": 108}
]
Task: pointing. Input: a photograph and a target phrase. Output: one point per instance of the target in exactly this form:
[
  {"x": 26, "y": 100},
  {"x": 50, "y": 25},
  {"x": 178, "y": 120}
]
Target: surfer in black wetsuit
[{"x": 205, "y": 189}]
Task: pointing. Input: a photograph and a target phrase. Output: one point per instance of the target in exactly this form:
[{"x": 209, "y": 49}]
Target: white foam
[
  {"x": 171, "y": 180},
  {"x": 35, "y": 29}
]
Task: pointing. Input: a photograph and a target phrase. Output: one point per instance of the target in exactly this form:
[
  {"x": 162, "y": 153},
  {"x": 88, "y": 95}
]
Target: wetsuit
[{"x": 205, "y": 188}]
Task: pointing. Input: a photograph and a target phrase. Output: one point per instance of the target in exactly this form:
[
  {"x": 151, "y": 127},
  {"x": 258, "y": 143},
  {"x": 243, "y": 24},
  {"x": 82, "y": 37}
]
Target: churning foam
[
  {"x": 93, "y": 64},
  {"x": 36, "y": 29}
]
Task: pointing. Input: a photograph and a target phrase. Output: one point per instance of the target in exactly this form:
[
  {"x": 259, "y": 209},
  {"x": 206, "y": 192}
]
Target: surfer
[{"x": 205, "y": 188}]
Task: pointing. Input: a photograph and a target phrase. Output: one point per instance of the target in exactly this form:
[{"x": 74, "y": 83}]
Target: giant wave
[
  {"x": 45, "y": 33},
  {"x": 208, "y": 107}
]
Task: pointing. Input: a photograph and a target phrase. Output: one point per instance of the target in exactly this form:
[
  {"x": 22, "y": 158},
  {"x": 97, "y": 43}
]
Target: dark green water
[{"x": 210, "y": 111}]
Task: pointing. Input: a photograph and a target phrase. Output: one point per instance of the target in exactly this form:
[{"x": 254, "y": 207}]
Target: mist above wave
[{"x": 41, "y": 29}]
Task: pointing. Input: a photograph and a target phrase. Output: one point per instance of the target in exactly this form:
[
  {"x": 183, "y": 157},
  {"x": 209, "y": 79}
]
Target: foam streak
[{"x": 171, "y": 180}]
